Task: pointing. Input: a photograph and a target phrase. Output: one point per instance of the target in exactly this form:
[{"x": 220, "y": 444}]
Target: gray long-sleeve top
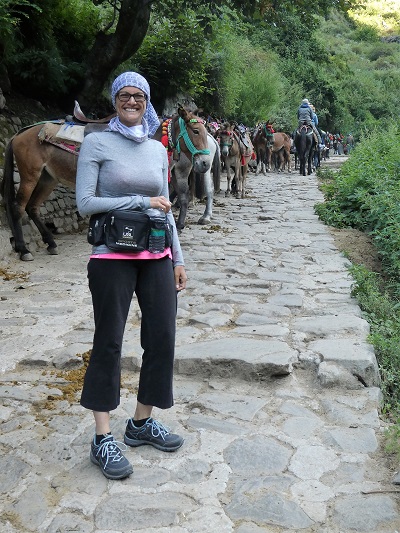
[{"x": 117, "y": 173}]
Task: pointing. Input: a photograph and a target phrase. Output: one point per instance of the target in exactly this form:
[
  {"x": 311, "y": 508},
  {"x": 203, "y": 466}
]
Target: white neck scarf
[{"x": 135, "y": 133}]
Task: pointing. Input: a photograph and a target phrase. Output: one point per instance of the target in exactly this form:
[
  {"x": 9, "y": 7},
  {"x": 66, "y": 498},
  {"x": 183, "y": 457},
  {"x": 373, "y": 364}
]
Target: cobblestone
[{"x": 276, "y": 389}]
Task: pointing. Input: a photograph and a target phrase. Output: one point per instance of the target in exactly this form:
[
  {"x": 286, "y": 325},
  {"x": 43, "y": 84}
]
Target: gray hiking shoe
[
  {"x": 108, "y": 456},
  {"x": 152, "y": 433}
]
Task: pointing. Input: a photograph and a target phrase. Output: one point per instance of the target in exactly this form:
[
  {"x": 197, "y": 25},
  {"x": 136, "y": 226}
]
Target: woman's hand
[
  {"x": 180, "y": 278},
  {"x": 160, "y": 202}
]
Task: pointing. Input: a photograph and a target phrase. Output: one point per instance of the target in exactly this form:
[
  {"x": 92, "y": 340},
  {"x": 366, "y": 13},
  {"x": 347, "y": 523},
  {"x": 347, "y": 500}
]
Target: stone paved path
[{"x": 276, "y": 388}]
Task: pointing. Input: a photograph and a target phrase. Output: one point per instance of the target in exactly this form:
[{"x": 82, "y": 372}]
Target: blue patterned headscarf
[{"x": 151, "y": 121}]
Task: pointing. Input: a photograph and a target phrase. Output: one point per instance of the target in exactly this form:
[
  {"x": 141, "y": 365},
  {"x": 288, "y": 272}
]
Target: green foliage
[
  {"x": 222, "y": 73},
  {"x": 49, "y": 45},
  {"x": 365, "y": 33},
  {"x": 366, "y": 194},
  {"x": 244, "y": 91},
  {"x": 75, "y": 25},
  {"x": 11, "y": 13},
  {"x": 173, "y": 56},
  {"x": 50, "y": 73},
  {"x": 379, "y": 50},
  {"x": 293, "y": 49},
  {"x": 383, "y": 16},
  {"x": 382, "y": 311},
  {"x": 392, "y": 437},
  {"x": 261, "y": 10},
  {"x": 363, "y": 73}
]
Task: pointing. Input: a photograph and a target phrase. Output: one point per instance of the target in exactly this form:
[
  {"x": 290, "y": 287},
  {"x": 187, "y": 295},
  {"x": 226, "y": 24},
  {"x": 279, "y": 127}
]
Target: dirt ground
[{"x": 358, "y": 247}]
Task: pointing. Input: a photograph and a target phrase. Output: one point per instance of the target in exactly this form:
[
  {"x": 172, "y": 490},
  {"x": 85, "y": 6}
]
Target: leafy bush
[
  {"x": 50, "y": 73},
  {"x": 379, "y": 50},
  {"x": 250, "y": 95},
  {"x": 365, "y": 33},
  {"x": 366, "y": 194},
  {"x": 363, "y": 72}
]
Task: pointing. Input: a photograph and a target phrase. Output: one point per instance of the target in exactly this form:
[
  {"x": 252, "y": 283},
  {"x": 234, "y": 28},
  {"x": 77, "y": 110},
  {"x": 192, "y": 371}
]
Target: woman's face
[{"x": 130, "y": 104}]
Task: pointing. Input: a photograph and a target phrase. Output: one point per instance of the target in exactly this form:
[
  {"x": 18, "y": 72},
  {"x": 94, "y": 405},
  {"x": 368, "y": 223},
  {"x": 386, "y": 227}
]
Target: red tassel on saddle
[
  {"x": 164, "y": 142},
  {"x": 243, "y": 161},
  {"x": 170, "y": 153}
]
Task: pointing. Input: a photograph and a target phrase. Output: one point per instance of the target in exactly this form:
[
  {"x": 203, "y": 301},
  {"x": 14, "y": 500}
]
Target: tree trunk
[{"x": 112, "y": 49}]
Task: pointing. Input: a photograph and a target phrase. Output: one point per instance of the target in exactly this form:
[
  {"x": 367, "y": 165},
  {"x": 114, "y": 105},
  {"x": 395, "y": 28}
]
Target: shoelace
[
  {"x": 111, "y": 449},
  {"x": 158, "y": 430}
]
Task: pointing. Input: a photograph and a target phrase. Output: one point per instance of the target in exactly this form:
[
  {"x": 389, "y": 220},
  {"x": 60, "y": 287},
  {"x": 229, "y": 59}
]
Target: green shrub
[
  {"x": 392, "y": 435},
  {"x": 365, "y": 33},
  {"x": 366, "y": 194}
]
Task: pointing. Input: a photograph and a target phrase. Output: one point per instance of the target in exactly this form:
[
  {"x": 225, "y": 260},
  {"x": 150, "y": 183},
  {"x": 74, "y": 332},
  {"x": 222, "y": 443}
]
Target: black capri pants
[{"x": 112, "y": 283}]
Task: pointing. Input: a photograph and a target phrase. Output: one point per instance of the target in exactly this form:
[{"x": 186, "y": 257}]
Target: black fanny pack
[{"x": 130, "y": 231}]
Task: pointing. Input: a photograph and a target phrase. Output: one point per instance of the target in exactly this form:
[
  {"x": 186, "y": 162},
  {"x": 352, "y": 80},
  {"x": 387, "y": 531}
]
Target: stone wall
[{"x": 59, "y": 212}]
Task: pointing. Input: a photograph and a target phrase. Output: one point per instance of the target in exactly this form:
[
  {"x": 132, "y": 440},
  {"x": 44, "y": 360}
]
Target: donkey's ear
[{"x": 182, "y": 112}]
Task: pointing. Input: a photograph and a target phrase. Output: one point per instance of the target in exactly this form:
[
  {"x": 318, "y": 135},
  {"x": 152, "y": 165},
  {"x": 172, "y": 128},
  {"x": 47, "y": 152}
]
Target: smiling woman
[{"x": 123, "y": 172}]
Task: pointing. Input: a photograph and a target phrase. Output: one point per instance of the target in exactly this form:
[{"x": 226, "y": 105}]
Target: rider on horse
[{"x": 306, "y": 115}]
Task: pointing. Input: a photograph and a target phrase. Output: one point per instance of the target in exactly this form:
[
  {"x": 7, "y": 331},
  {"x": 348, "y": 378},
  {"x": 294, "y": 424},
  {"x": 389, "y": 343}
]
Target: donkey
[
  {"x": 188, "y": 182},
  {"x": 236, "y": 151},
  {"x": 280, "y": 149}
]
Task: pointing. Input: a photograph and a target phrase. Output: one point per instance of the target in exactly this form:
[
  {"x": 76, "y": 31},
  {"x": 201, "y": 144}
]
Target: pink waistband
[{"x": 131, "y": 255}]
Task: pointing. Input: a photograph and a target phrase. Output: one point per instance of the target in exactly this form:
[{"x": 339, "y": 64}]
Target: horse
[
  {"x": 280, "y": 149},
  {"x": 261, "y": 139},
  {"x": 188, "y": 182},
  {"x": 42, "y": 164},
  {"x": 305, "y": 143},
  {"x": 269, "y": 146},
  {"x": 236, "y": 152}
]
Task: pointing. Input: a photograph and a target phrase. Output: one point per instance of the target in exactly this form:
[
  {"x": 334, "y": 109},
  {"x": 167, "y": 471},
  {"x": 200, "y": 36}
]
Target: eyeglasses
[{"x": 138, "y": 97}]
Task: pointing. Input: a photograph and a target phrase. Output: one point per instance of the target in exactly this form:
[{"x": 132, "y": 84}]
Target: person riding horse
[
  {"x": 306, "y": 137},
  {"x": 306, "y": 115}
]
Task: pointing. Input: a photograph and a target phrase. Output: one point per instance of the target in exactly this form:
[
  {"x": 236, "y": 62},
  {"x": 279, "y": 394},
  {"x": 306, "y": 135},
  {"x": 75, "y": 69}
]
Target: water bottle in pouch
[{"x": 157, "y": 235}]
